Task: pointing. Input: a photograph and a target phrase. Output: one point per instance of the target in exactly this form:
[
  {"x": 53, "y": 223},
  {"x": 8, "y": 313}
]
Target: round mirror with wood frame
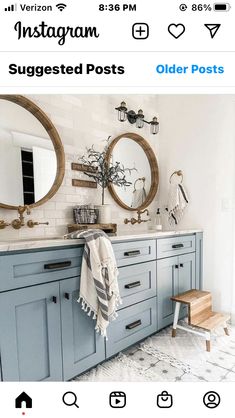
[
  {"x": 50, "y": 129},
  {"x": 150, "y": 161}
]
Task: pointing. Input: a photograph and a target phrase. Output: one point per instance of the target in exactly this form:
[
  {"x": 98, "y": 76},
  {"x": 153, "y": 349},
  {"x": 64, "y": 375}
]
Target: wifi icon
[{"x": 61, "y": 6}]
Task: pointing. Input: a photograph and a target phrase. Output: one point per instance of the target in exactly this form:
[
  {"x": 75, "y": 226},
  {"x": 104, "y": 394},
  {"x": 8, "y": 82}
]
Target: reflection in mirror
[
  {"x": 132, "y": 150},
  {"x": 130, "y": 154},
  {"x": 28, "y": 161}
]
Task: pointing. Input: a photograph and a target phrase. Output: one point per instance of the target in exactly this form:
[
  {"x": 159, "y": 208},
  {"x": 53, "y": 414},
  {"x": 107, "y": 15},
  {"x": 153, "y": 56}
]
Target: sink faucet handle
[
  {"x": 31, "y": 223},
  {"x": 28, "y": 211}
]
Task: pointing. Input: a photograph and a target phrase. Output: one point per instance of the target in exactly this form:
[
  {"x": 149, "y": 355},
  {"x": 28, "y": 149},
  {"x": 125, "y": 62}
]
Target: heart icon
[{"x": 176, "y": 30}]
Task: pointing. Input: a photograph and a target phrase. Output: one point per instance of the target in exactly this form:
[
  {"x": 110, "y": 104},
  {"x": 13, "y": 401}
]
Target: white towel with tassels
[
  {"x": 177, "y": 203},
  {"x": 99, "y": 292}
]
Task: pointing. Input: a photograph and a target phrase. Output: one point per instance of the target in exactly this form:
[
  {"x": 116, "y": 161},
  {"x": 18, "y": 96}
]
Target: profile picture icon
[{"x": 211, "y": 400}]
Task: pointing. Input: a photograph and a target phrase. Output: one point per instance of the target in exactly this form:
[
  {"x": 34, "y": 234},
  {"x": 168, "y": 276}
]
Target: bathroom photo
[{"x": 117, "y": 238}]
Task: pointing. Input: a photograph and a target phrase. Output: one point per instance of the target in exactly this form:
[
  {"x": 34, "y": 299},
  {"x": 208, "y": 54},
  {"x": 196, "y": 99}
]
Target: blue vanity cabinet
[
  {"x": 137, "y": 283},
  {"x": 44, "y": 333},
  {"x": 199, "y": 260},
  {"x": 82, "y": 346},
  {"x": 167, "y": 286},
  {"x": 186, "y": 272},
  {"x": 174, "y": 275},
  {"x": 30, "y": 334},
  {"x": 133, "y": 324}
]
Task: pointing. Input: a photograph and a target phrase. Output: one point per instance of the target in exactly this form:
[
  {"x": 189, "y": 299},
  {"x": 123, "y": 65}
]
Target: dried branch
[{"x": 102, "y": 172}]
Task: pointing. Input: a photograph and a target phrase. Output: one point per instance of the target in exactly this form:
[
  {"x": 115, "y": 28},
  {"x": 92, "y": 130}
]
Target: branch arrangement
[{"x": 102, "y": 172}]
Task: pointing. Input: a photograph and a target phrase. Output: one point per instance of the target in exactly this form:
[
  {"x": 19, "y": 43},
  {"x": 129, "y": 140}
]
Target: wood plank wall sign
[
  {"x": 83, "y": 183},
  {"x": 82, "y": 167}
]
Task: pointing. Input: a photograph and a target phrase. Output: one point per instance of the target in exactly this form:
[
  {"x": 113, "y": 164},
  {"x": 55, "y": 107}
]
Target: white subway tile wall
[{"x": 81, "y": 120}]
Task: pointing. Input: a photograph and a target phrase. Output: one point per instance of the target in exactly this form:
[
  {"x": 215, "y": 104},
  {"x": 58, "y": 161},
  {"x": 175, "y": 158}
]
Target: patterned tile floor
[{"x": 161, "y": 358}]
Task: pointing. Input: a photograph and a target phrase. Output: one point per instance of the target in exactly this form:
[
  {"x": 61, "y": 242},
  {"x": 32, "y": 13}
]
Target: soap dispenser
[{"x": 158, "y": 220}]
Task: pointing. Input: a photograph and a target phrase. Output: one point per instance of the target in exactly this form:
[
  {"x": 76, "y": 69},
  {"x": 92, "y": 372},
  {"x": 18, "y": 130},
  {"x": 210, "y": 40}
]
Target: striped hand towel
[
  {"x": 99, "y": 292},
  {"x": 177, "y": 202}
]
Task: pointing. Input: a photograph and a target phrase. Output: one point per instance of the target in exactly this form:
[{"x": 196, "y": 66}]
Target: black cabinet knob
[
  {"x": 67, "y": 296},
  {"x": 54, "y": 299},
  {"x": 176, "y": 266}
]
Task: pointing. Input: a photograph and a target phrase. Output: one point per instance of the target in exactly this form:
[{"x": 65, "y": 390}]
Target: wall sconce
[{"x": 137, "y": 118}]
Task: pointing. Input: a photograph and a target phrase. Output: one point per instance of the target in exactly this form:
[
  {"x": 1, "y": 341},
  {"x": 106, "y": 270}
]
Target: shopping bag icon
[{"x": 164, "y": 400}]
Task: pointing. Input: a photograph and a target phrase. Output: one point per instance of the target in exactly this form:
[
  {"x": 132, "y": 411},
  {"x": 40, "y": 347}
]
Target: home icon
[{"x": 23, "y": 401}]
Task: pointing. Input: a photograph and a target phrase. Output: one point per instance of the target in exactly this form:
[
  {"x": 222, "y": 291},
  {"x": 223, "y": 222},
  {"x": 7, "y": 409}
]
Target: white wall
[{"x": 198, "y": 136}]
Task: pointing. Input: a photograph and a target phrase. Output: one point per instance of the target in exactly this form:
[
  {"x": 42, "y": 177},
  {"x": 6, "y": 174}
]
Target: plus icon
[{"x": 140, "y": 31}]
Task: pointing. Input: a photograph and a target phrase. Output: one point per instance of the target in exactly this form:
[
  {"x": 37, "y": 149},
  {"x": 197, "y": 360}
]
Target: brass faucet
[
  {"x": 18, "y": 223},
  {"x": 3, "y": 224},
  {"x": 133, "y": 221},
  {"x": 31, "y": 223}
]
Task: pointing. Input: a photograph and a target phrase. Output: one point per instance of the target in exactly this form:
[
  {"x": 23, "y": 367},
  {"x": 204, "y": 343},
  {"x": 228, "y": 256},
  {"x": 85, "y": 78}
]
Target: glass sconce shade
[
  {"x": 140, "y": 119},
  {"x": 136, "y": 118},
  {"x": 122, "y": 112},
  {"x": 154, "y": 126}
]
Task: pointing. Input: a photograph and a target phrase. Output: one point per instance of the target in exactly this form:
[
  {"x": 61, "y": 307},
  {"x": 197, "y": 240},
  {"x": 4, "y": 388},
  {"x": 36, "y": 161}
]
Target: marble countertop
[{"x": 48, "y": 242}]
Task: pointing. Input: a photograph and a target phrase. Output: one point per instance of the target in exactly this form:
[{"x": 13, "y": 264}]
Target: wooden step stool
[{"x": 200, "y": 314}]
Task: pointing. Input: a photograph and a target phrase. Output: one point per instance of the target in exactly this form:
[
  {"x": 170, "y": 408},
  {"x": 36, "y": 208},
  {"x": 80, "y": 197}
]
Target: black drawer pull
[
  {"x": 54, "y": 299},
  {"x": 176, "y": 266},
  {"x": 67, "y": 296},
  {"x": 131, "y": 285},
  {"x": 134, "y": 324},
  {"x": 181, "y": 265},
  {"x": 61, "y": 265},
  {"x": 178, "y": 246},
  {"x": 131, "y": 253}
]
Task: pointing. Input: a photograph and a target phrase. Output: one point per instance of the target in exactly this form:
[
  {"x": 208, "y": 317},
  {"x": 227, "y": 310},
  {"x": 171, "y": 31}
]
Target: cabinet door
[
  {"x": 187, "y": 272},
  {"x": 187, "y": 277},
  {"x": 82, "y": 346},
  {"x": 167, "y": 286},
  {"x": 30, "y": 334}
]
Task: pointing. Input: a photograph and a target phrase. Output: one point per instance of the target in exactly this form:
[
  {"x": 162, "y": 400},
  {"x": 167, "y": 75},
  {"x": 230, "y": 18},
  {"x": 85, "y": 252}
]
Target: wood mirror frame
[
  {"x": 55, "y": 138},
  {"x": 153, "y": 168}
]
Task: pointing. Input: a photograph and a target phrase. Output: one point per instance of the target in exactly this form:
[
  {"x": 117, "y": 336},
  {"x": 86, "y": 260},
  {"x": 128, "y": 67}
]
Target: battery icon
[{"x": 222, "y": 7}]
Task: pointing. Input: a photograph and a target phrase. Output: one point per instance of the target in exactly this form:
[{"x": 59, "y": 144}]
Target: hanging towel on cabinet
[{"x": 99, "y": 292}]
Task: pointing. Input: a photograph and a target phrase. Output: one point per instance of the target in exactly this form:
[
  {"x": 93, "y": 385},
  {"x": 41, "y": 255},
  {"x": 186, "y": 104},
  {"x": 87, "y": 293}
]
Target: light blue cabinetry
[
  {"x": 167, "y": 286},
  {"x": 174, "y": 275},
  {"x": 82, "y": 345},
  {"x": 30, "y": 334},
  {"x": 44, "y": 333},
  {"x": 137, "y": 282},
  {"x": 132, "y": 325}
]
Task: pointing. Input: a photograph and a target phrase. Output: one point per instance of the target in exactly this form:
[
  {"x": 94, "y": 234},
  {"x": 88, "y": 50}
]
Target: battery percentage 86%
[{"x": 196, "y": 7}]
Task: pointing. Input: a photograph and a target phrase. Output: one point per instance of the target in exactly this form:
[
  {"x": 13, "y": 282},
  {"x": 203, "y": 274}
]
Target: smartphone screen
[{"x": 117, "y": 200}]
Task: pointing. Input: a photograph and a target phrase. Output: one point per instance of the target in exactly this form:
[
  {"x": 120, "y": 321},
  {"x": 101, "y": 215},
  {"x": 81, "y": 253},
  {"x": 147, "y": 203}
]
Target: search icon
[{"x": 70, "y": 399}]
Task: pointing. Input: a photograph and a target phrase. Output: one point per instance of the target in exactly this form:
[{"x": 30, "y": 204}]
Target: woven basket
[{"x": 83, "y": 215}]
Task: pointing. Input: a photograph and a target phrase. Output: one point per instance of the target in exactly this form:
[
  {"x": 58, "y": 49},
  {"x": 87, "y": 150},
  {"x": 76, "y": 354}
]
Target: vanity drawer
[
  {"x": 134, "y": 252},
  {"x": 137, "y": 283},
  {"x": 27, "y": 269},
  {"x": 132, "y": 325},
  {"x": 182, "y": 244}
]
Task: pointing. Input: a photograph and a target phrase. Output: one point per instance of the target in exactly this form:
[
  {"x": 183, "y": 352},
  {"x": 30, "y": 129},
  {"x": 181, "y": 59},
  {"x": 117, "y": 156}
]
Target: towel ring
[
  {"x": 177, "y": 173},
  {"x": 139, "y": 179}
]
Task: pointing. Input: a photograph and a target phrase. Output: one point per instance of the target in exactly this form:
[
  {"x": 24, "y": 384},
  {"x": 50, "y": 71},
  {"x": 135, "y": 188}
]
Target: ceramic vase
[{"x": 104, "y": 214}]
